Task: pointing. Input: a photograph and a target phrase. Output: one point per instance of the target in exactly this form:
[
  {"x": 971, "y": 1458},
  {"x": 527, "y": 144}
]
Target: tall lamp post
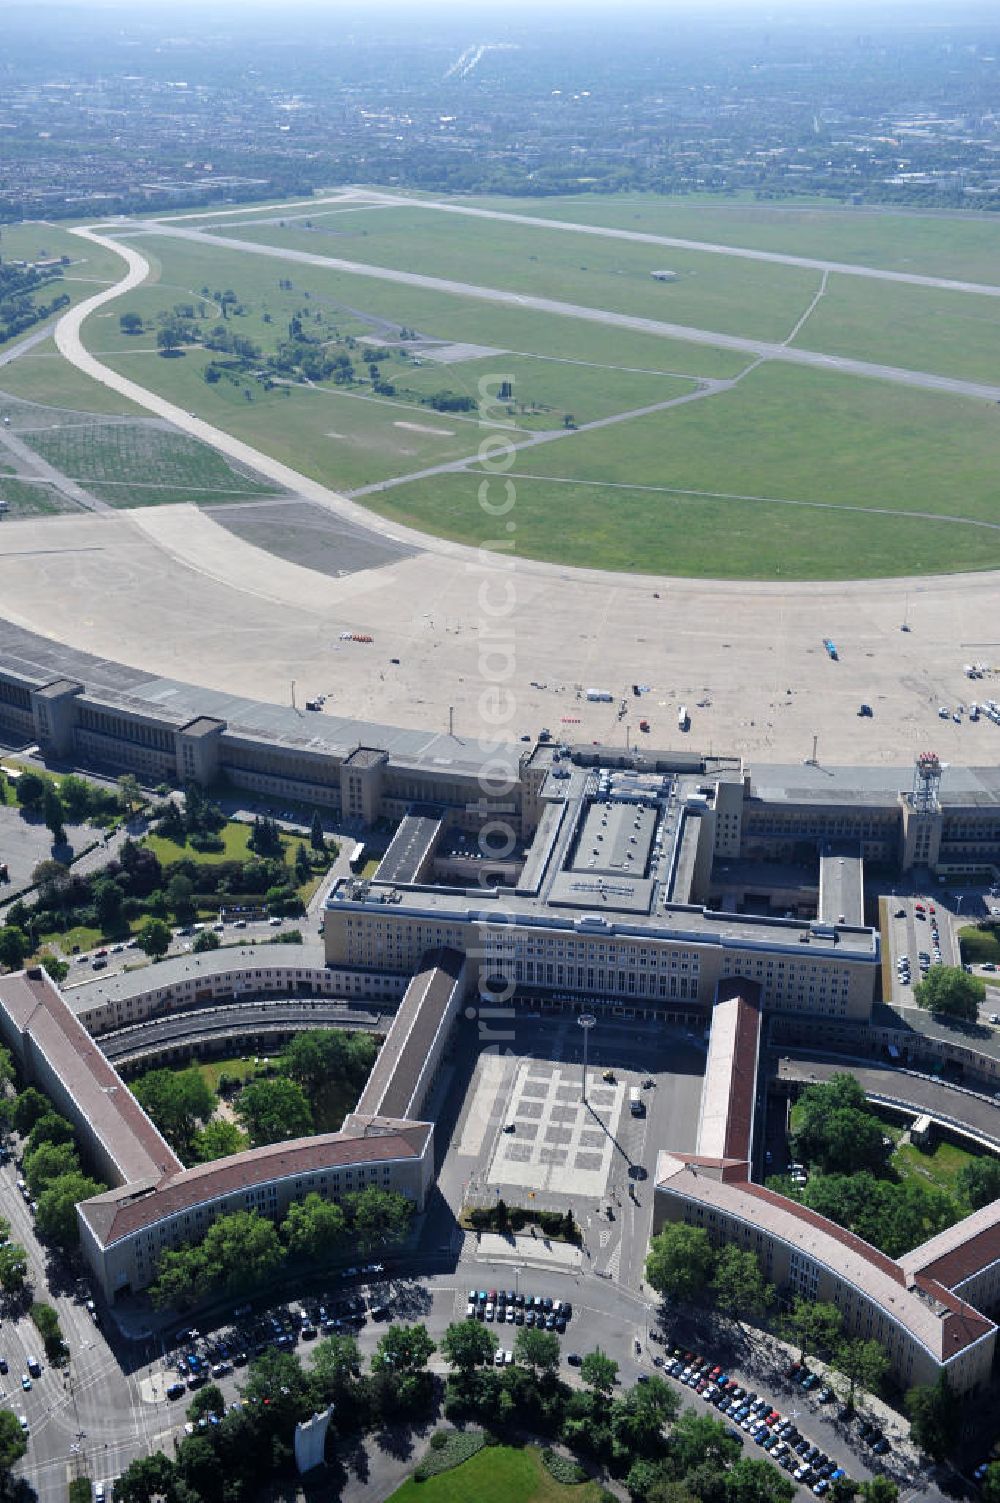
[{"x": 586, "y": 1021}]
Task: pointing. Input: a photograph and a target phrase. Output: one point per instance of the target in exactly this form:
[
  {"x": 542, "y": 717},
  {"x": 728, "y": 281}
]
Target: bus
[{"x": 358, "y": 856}]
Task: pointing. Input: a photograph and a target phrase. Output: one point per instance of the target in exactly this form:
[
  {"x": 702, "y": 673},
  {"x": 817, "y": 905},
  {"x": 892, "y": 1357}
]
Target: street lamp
[{"x": 586, "y": 1020}]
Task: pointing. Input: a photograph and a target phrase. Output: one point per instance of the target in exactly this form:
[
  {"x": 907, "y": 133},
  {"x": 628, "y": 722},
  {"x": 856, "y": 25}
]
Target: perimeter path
[{"x": 759, "y": 349}]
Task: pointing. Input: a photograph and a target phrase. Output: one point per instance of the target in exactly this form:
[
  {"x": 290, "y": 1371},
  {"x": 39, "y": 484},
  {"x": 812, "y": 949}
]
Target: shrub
[
  {"x": 449, "y": 1448},
  {"x": 563, "y": 1468}
]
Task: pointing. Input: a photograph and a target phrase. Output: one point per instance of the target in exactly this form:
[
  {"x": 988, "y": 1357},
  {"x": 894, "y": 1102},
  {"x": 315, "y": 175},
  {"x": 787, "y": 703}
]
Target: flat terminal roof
[
  {"x": 841, "y": 886},
  {"x": 725, "y": 1127},
  {"x": 39, "y": 661},
  {"x": 33, "y": 1007},
  {"x": 419, "y": 1017},
  {"x": 676, "y": 924},
  {"x": 410, "y": 847},
  {"x": 250, "y": 960},
  {"x": 615, "y": 840}
]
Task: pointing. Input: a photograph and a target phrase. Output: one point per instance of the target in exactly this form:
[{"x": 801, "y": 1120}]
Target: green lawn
[
  {"x": 918, "y": 328},
  {"x": 979, "y": 945},
  {"x": 240, "y": 1068},
  {"x": 497, "y": 1474},
  {"x": 598, "y": 527},
  {"x": 938, "y": 1169},
  {"x": 947, "y": 245},
  {"x": 733, "y": 296},
  {"x": 44, "y": 377},
  {"x": 235, "y": 839},
  {"x": 544, "y": 391},
  {"x": 861, "y": 452},
  {"x": 235, "y": 847},
  {"x": 142, "y": 463},
  {"x": 442, "y": 315},
  {"x": 25, "y": 499},
  {"x": 81, "y": 937}
]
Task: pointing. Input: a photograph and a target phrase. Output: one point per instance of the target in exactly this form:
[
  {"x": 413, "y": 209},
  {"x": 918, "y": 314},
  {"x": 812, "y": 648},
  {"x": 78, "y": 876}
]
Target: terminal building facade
[{"x": 664, "y": 884}]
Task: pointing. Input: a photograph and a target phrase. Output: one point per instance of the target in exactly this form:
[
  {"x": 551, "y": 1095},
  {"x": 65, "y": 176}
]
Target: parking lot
[
  {"x": 921, "y": 936},
  {"x": 25, "y": 841},
  {"x": 784, "y": 1428}
]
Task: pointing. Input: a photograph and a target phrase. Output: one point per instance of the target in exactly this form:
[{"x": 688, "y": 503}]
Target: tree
[
  {"x": 599, "y": 1372},
  {"x": 879, "y": 1489},
  {"x": 182, "y": 1278},
  {"x": 206, "y": 940},
  {"x": 403, "y": 1350},
  {"x": 336, "y": 1367},
  {"x": 199, "y": 1467},
  {"x": 538, "y": 1350},
  {"x": 314, "y": 1227},
  {"x": 218, "y": 1139},
  {"x": 812, "y": 1131},
  {"x": 154, "y": 937},
  {"x": 949, "y": 992},
  {"x": 31, "y": 790},
  {"x": 277, "y": 1385},
  {"x": 50, "y": 1128},
  {"x": 178, "y": 1102},
  {"x": 303, "y": 869},
  {"x": 109, "y": 905},
  {"x": 14, "y": 947},
  {"x": 12, "y": 1441},
  {"x": 29, "y": 1106},
  {"x": 316, "y": 1055},
  {"x": 76, "y": 797},
  {"x": 180, "y": 896},
  {"x": 698, "y": 1439},
  {"x": 316, "y": 837},
  {"x": 242, "y": 1250},
  {"x": 148, "y": 1479},
  {"x": 979, "y": 1181},
  {"x": 170, "y": 337},
  {"x": 468, "y": 1344},
  {"x": 935, "y": 1412},
  {"x": 752, "y": 1481},
  {"x": 54, "y": 814},
  {"x": 48, "y": 1162},
  {"x": 680, "y": 1262},
  {"x": 129, "y": 793},
  {"x": 740, "y": 1289},
  {"x": 638, "y": 1420},
  {"x": 814, "y": 1326},
  {"x": 990, "y": 1485},
  {"x": 13, "y": 1268},
  {"x": 863, "y": 1364},
  {"x": 56, "y": 1214},
  {"x": 379, "y": 1218},
  {"x": 274, "y": 1110},
  {"x": 130, "y": 323}
]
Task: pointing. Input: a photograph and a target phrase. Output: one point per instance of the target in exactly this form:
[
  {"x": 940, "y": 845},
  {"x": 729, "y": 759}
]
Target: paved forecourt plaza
[{"x": 172, "y": 591}]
